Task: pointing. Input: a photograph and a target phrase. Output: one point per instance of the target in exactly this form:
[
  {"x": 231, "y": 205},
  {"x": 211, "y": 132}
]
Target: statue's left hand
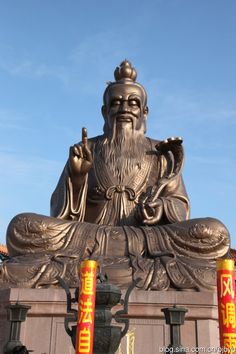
[{"x": 151, "y": 211}]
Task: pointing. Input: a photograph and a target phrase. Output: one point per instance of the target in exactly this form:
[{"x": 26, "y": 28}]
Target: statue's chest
[{"x": 105, "y": 180}]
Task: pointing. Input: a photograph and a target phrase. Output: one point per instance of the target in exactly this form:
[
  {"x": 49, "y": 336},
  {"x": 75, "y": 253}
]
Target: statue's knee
[
  {"x": 16, "y": 221},
  {"x": 21, "y": 223},
  {"x": 209, "y": 228},
  {"x": 215, "y": 229},
  {"x": 216, "y": 225}
]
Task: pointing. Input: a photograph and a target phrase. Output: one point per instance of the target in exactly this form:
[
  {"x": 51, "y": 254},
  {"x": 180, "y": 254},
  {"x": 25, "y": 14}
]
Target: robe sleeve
[
  {"x": 175, "y": 201},
  {"x": 62, "y": 204},
  {"x": 174, "y": 197}
]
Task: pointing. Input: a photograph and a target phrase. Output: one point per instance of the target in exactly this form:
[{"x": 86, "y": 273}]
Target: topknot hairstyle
[
  {"x": 125, "y": 71},
  {"x": 125, "y": 74}
]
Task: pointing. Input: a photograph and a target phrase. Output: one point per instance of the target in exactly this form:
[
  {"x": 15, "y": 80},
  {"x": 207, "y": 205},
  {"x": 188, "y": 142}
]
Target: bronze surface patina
[{"x": 121, "y": 201}]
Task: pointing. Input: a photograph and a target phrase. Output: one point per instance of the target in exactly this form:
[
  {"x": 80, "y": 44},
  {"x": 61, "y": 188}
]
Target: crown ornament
[{"x": 125, "y": 71}]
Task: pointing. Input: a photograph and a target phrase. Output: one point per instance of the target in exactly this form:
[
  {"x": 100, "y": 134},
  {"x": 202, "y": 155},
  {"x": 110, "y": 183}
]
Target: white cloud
[
  {"x": 88, "y": 59},
  {"x": 173, "y": 102},
  {"x": 19, "y": 65},
  {"x": 102, "y": 48},
  {"x": 32, "y": 70}
]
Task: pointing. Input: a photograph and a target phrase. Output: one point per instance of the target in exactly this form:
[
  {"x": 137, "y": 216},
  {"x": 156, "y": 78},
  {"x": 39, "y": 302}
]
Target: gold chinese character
[
  {"x": 230, "y": 342},
  {"x": 85, "y": 311},
  {"x": 87, "y": 280},
  {"x": 226, "y": 285},
  {"x": 228, "y": 314},
  {"x": 130, "y": 341},
  {"x": 84, "y": 340}
]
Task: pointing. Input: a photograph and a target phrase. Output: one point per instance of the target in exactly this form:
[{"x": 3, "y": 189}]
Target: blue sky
[{"x": 55, "y": 59}]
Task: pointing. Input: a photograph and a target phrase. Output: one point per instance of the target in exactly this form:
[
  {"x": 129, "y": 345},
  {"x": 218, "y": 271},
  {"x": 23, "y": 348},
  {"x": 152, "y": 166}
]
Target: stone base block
[{"x": 43, "y": 331}]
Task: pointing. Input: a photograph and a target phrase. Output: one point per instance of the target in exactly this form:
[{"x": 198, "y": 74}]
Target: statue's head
[{"x": 124, "y": 102}]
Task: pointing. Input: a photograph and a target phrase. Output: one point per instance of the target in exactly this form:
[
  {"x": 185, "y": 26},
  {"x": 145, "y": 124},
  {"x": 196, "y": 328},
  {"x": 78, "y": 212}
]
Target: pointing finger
[{"x": 84, "y": 136}]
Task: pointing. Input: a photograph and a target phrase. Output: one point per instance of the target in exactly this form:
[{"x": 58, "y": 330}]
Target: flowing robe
[
  {"x": 103, "y": 223},
  {"x": 105, "y": 200}
]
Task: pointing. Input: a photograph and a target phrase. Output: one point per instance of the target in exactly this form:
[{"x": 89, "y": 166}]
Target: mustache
[{"x": 125, "y": 113}]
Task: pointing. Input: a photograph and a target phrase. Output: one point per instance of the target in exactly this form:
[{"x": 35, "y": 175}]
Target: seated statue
[{"x": 120, "y": 200}]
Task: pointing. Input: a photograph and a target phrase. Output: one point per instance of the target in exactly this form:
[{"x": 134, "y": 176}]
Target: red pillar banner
[
  {"x": 226, "y": 304},
  {"x": 86, "y": 308}
]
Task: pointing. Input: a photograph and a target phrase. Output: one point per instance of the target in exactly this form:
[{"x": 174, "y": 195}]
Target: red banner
[
  {"x": 86, "y": 308},
  {"x": 226, "y": 304}
]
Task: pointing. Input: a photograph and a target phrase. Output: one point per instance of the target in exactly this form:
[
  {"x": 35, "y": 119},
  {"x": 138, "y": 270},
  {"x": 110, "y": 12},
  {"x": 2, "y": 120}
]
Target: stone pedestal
[{"x": 43, "y": 331}]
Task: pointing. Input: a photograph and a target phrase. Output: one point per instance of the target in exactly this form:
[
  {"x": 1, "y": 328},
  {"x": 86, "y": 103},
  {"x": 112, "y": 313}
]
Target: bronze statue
[{"x": 120, "y": 200}]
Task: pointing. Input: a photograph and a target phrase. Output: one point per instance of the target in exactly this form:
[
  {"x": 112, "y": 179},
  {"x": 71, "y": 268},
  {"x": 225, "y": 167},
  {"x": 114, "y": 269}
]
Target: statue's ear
[
  {"x": 104, "y": 111},
  {"x": 145, "y": 112}
]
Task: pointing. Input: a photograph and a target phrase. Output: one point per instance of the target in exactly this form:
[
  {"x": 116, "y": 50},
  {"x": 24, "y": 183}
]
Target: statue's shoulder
[
  {"x": 92, "y": 141},
  {"x": 96, "y": 138}
]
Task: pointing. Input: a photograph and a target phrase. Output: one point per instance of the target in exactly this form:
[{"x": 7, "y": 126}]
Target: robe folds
[{"x": 102, "y": 222}]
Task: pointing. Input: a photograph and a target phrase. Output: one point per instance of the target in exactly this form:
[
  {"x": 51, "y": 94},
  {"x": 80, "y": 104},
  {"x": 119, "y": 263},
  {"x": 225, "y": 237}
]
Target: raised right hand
[{"x": 80, "y": 157}]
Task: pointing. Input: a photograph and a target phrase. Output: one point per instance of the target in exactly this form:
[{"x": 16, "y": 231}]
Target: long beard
[{"x": 123, "y": 153}]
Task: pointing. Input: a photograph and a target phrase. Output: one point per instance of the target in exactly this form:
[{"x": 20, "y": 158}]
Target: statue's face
[{"x": 125, "y": 107}]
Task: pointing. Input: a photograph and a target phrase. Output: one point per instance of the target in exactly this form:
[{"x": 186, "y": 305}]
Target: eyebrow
[
  {"x": 134, "y": 96},
  {"x": 116, "y": 97}
]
